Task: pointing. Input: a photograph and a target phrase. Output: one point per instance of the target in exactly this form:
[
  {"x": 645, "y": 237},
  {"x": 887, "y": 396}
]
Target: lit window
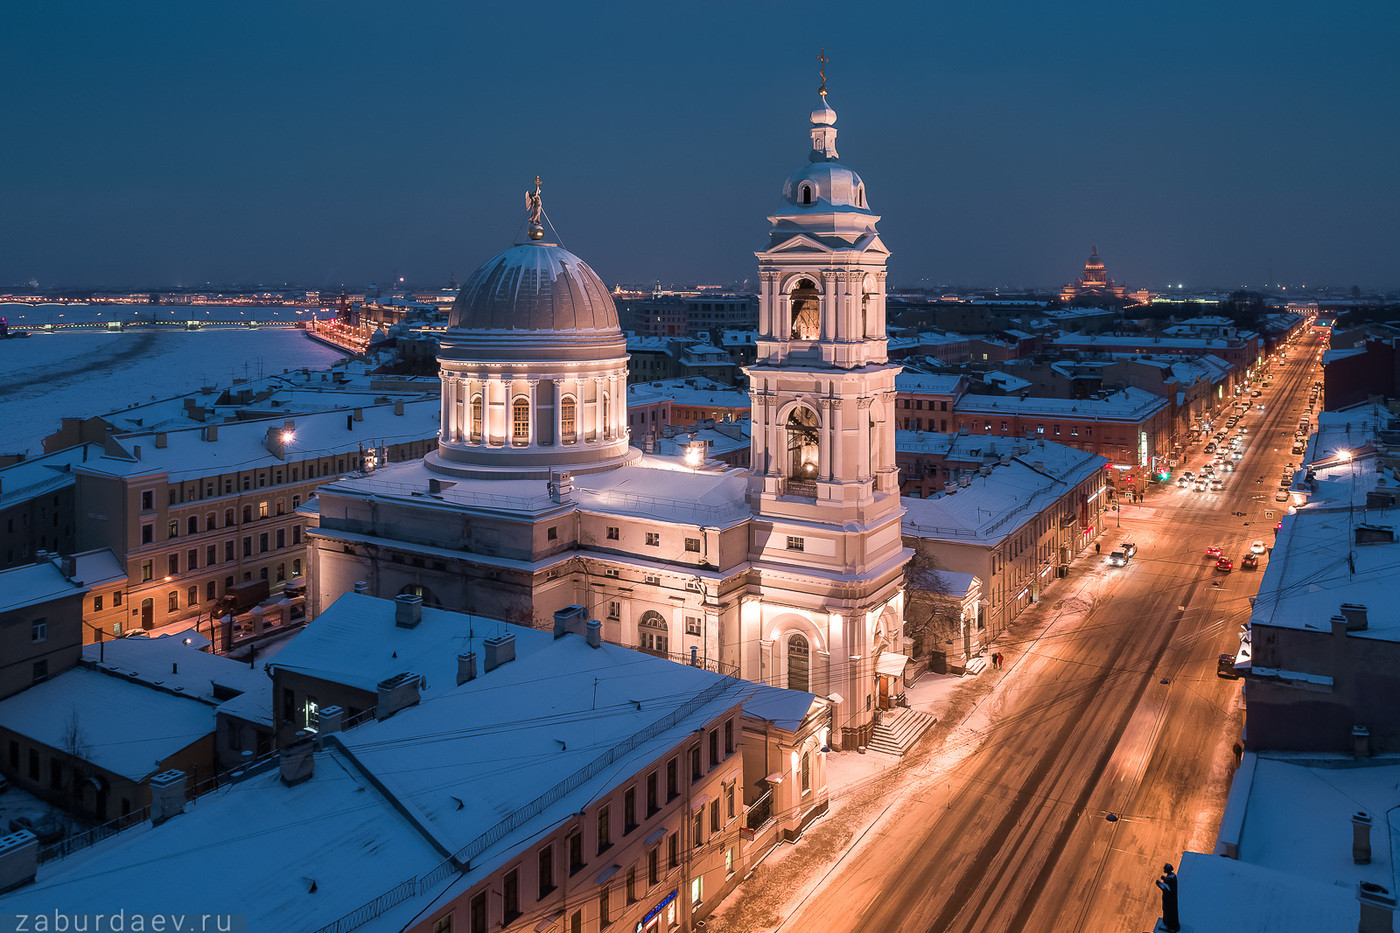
[
  {"x": 520, "y": 421},
  {"x": 568, "y": 420},
  {"x": 476, "y": 418},
  {"x": 653, "y": 539},
  {"x": 795, "y": 543}
]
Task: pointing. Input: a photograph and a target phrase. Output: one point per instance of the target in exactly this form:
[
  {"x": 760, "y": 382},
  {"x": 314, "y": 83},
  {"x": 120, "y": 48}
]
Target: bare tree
[{"x": 932, "y": 617}]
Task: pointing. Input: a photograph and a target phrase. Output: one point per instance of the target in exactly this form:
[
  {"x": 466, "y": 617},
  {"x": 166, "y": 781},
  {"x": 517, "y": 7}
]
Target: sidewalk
[{"x": 864, "y": 789}]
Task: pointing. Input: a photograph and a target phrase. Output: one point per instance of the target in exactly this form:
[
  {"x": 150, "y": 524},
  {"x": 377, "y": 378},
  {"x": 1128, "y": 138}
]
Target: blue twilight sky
[{"x": 343, "y": 142}]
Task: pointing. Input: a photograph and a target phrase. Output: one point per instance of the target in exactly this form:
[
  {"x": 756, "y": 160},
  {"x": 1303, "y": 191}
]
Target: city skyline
[{"x": 232, "y": 147}]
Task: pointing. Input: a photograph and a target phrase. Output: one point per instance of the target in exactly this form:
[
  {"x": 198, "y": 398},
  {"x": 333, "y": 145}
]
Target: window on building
[
  {"x": 714, "y": 815},
  {"x": 281, "y": 506},
  {"x": 247, "y": 514},
  {"x": 806, "y": 772},
  {"x": 210, "y": 591},
  {"x": 173, "y": 564},
  {"x": 192, "y": 559},
  {"x": 654, "y": 866},
  {"x": 192, "y": 596},
  {"x": 174, "y": 600},
  {"x": 510, "y": 894},
  {"x": 631, "y": 885},
  {"x": 653, "y": 539},
  {"x": 281, "y": 538},
  {"x": 296, "y": 566},
  {"x": 172, "y": 530},
  {"x": 729, "y": 737},
  {"x": 262, "y": 543},
  {"x": 614, "y": 610},
  {"x": 799, "y": 655},
  {"x": 613, "y": 533},
  {"x": 695, "y": 771},
  {"x": 546, "y": 867},
  {"x": 794, "y": 543},
  {"x": 97, "y": 604},
  {"x": 729, "y": 802},
  {"x": 697, "y": 828},
  {"x": 604, "y": 908},
  {"x": 653, "y": 796},
  {"x": 39, "y": 630},
  {"x": 552, "y": 534},
  {"x": 443, "y": 924},
  {"x": 568, "y": 420},
  {"x": 192, "y": 525},
  {"x": 673, "y": 844},
  {"x": 729, "y": 862},
  {"x": 604, "y": 829},
  {"x": 629, "y": 810},
  {"x": 211, "y": 555},
  {"x": 520, "y": 421},
  {"x": 714, "y": 747},
  {"x": 477, "y": 913},
  {"x": 692, "y": 545},
  {"x": 148, "y": 533},
  {"x": 650, "y": 580},
  {"x": 652, "y": 631},
  {"x": 41, "y": 670},
  {"x": 147, "y": 573},
  {"x": 262, "y": 510},
  {"x": 148, "y": 500},
  {"x": 693, "y": 625}
]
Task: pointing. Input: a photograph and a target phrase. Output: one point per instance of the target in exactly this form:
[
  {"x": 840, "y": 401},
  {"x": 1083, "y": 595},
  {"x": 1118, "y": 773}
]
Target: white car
[
  {"x": 1229, "y": 468},
  {"x": 1257, "y": 547},
  {"x": 1217, "y": 484},
  {"x": 1237, "y": 455}
]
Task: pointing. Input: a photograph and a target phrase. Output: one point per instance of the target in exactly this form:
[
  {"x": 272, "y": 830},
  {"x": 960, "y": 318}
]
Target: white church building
[{"x": 789, "y": 573}]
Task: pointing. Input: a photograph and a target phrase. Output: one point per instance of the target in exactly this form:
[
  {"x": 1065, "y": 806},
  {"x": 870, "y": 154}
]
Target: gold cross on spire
[{"x": 822, "y": 71}]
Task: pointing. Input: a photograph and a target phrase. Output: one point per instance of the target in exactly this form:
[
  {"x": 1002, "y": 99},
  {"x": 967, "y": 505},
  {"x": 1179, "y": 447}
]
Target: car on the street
[
  {"x": 1257, "y": 547},
  {"x": 1229, "y": 467},
  {"x": 1297, "y": 448},
  {"x": 1217, "y": 484},
  {"x": 1212, "y": 552},
  {"x": 1128, "y": 547},
  {"x": 1281, "y": 495},
  {"x": 1118, "y": 559},
  {"x": 1183, "y": 481},
  {"x": 1237, "y": 455},
  {"x": 1200, "y": 485},
  {"x": 1225, "y": 667},
  {"x": 1224, "y": 565},
  {"x": 1210, "y": 448},
  {"x": 1250, "y": 562},
  {"x": 1256, "y": 393}
]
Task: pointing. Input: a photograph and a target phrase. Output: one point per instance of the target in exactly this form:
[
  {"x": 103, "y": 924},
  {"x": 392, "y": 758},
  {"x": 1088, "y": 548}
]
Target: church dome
[
  {"x": 534, "y": 287},
  {"x": 823, "y": 185}
]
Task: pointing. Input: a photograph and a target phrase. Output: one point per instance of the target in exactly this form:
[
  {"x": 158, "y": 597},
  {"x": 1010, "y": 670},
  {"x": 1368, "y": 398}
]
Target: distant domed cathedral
[
  {"x": 789, "y": 573},
  {"x": 1094, "y": 287}
]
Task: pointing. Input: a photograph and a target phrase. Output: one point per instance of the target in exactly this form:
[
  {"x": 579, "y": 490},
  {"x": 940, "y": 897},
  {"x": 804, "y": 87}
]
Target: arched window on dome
[
  {"x": 520, "y": 421},
  {"x": 803, "y": 447},
  {"x": 799, "y": 663},
  {"x": 653, "y": 632},
  {"x": 607, "y": 430},
  {"x": 860, "y": 196},
  {"x": 805, "y": 305},
  {"x": 478, "y": 409},
  {"x": 806, "y": 194},
  {"x": 568, "y": 419}
]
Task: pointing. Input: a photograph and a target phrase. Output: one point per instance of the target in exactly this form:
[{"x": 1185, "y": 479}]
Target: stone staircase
[
  {"x": 898, "y": 730},
  {"x": 978, "y": 664}
]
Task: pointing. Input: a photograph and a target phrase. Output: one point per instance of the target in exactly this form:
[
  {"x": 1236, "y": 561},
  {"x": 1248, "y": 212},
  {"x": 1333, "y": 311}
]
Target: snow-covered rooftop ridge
[
  {"x": 1147, "y": 341},
  {"x": 1130, "y": 402},
  {"x": 33, "y": 584},
  {"x": 123, "y": 727},
  {"x": 931, "y": 383}
]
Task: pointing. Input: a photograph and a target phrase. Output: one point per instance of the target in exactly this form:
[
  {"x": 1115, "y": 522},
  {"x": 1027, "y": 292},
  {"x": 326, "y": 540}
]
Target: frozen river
[{"x": 47, "y": 377}]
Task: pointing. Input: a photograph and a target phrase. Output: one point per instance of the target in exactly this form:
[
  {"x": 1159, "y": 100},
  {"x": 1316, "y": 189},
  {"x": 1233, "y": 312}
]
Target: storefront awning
[{"x": 891, "y": 664}]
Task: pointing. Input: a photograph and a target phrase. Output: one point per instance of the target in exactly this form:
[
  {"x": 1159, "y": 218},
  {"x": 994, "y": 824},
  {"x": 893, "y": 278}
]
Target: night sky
[{"x": 326, "y": 143}]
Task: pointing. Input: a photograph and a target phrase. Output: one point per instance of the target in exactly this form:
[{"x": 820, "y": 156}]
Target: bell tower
[{"x": 826, "y": 539}]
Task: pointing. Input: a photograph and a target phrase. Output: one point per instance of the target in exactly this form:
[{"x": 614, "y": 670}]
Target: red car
[
  {"x": 1224, "y": 565},
  {"x": 1212, "y": 552}
]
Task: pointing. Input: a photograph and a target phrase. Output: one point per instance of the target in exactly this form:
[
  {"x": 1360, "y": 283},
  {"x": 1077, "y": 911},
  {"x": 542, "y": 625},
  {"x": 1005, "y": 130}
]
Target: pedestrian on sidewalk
[{"x": 1097, "y": 547}]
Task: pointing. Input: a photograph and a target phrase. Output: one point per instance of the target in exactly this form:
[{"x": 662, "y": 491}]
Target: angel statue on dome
[{"x": 532, "y": 203}]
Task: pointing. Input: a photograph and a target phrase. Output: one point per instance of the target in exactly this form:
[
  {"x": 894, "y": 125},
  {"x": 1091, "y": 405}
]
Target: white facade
[{"x": 790, "y": 574}]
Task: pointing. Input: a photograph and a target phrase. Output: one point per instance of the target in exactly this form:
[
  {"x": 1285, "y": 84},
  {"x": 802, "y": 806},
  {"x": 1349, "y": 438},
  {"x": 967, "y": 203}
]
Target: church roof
[{"x": 534, "y": 286}]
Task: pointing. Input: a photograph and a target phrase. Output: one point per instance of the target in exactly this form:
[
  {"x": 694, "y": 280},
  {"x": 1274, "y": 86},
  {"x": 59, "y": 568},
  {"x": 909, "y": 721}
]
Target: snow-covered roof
[
  {"x": 957, "y": 584},
  {"x": 335, "y": 830},
  {"x": 389, "y": 798},
  {"x": 355, "y": 642},
  {"x": 123, "y": 727},
  {"x": 1006, "y": 381},
  {"x": 666, "y": 490},
  {"x": 927, "y": 383},
  {"x": 1129, "y": 403},
  {"x": 1316, "y": 565},
  {"x": 994, "y": 506},
  {"x": 1222, "y": 895},
  {"x": 242, "y": 445},
  {"x": 169, "y": 663},
  {"x": 1148, "y": 343},
  {"x": 33, "y": 584}
]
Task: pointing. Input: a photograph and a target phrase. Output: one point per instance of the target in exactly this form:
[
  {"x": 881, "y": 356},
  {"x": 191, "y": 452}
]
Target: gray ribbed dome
[{"x": 534, "y": 286}]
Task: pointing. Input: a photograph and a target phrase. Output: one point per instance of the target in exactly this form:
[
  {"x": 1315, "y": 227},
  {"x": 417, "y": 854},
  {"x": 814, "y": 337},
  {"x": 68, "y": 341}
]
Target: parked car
[
  {"x": 1217, "y": 484},
  {"x": 1257, "y": 547},
  {"x": 1212, "y": 552},
  {"x": 1250, "y": 562},
  {"x": 1118, "y": 559},
  {"x": 1128, "y": 547},
  {"x": 1281, "y": 495},
  {"x": 1225, "y": 667},
  {"x": 1224, "y": 565}
]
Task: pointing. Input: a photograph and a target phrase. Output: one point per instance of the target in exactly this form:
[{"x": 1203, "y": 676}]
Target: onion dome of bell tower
[{"x": 533, "y": 366}]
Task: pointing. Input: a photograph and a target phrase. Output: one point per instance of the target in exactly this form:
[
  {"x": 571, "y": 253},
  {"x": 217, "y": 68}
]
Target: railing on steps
[{"x": 761, "y": 810}]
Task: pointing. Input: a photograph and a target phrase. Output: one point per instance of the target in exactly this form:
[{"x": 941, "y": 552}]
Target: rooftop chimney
[
  {"x": 298, "y": 759},
  {"x": 160, "y": 440},
  {"x": 330, "y": 720},
  {"x": 466, "y": 667},
  {"x": 398, "y": 692},
  {"x": 211, "y": 432},
  {"x": 68, "y": 566},
  {"x": 568, "y": 620},
  {"x": 408, "y": 610},
  {"x": 1355, "y": 614},
  {"x": 362, "y": 586},
  {"x": 499, "y": 650},
  {"x": 1361, "y": 837},
  {"x": 398, "y": 406},
  {"x": 167, "y": 795},
  {"x": 19, "y": 859},
  {"x": 595, "y": 633},
  {"x": 1377, "y": 908},
  {"x": 359, "y": 414},
  {"x": 1361, "y": 741}
]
